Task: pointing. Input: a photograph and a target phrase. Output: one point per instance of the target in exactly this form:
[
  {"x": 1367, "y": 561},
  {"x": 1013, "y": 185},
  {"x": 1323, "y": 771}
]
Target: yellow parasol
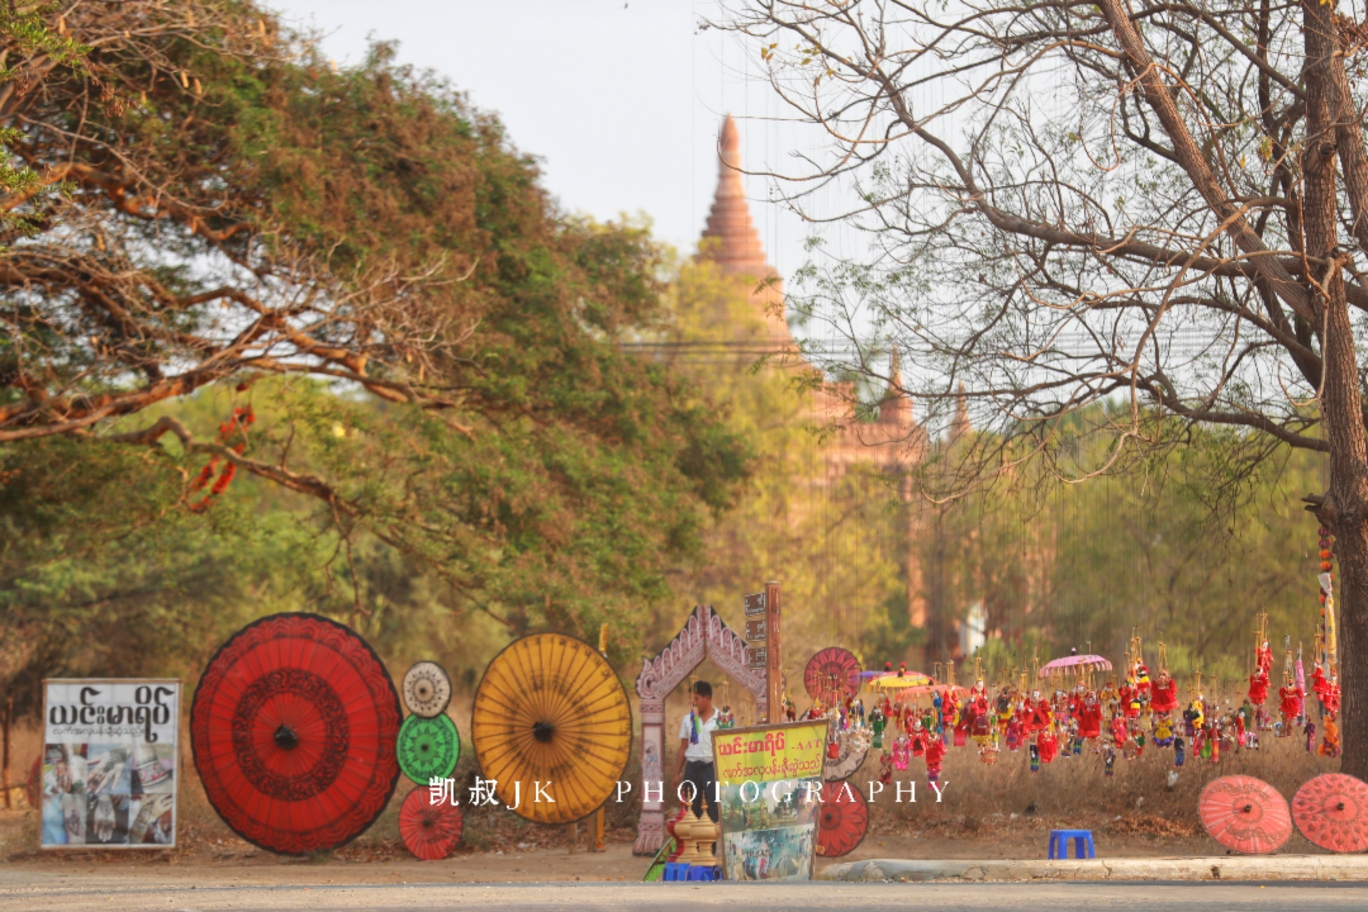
[{"x": 551, "y": 710}]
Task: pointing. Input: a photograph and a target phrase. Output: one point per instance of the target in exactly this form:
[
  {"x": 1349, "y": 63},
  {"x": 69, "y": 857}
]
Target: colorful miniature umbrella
[
  {"x": 832, "y": 672},
  {"x": 1245, "y": 814},
  {"x": 427, "y": 689},
  {"x": 430, "y": 831},
  {"x": 428, "y": 748},
  {"x": 843, "y": 821},
  {"x": 293, "y": 728},
  {"x": 850, "y": 758},
  {"x": 550, "y": 713},
  {"x": 1074, "y": 664},
  {"x": 1331, "y": 810}
]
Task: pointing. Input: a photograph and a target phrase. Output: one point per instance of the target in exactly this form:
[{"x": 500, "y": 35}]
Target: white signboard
[{"x": 109, "y": 762}]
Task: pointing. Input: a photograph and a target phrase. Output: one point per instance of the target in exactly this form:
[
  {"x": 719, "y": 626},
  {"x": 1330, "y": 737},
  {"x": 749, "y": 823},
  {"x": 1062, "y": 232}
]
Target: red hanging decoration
[{"x": 235, "y": 428}]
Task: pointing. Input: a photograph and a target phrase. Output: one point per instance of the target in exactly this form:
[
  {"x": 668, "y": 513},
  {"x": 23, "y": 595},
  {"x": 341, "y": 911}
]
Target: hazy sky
[{"x": 621, "y": 101}]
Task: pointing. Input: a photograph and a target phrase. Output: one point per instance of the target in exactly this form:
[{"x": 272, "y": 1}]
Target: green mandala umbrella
[{"x": 428, "y": 748}]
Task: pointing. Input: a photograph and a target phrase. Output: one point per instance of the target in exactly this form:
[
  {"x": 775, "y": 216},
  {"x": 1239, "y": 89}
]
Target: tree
[
  {"x": 1157, "y": 205},
  {"x": 202, "y": 205}
]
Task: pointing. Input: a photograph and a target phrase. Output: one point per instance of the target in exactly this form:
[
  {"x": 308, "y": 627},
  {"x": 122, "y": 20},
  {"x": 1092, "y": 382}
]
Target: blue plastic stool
[
  {"x": 675, "y": 871},
  {"x": 702, "y": 872},
  {"x": 1059, "y": 843}
]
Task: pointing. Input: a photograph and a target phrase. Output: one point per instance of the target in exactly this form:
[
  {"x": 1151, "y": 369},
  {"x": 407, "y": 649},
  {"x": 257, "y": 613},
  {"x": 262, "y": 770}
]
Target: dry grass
[{"x": 1074, "y": 791}]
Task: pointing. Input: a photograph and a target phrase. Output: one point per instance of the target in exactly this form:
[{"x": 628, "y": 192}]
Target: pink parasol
[{"x": 1074, "y": 664}]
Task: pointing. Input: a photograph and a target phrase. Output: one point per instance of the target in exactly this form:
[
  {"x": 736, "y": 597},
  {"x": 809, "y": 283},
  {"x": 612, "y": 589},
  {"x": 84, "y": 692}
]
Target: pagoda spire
[
  {"x": 735, "y": 244},
  {"x": 737, "y": 249},
  {"x": 896, "y": 407}
]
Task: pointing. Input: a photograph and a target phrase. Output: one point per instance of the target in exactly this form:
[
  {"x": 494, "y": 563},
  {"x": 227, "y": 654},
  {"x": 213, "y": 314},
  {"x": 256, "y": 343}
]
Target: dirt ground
[{"x": 209, "y": 851}]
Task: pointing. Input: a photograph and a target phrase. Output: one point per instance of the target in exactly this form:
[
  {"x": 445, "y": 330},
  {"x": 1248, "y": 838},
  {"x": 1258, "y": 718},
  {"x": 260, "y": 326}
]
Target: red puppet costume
[
  {"x": 1164, "y": 694},
  {"x": 1090, "y": 717},
  {"x": 1263, "y": 657},
  {"x": 1289, "y": 701},
  {"x": 1332, "y": 698},
  {"x": 1258, "y": 687},
  {"x": 1119, "y": 732},
  {"x": 1048, "y": 744},
  {"x": 935, "y": 754},
  {"x": 1039, "y": 717}
]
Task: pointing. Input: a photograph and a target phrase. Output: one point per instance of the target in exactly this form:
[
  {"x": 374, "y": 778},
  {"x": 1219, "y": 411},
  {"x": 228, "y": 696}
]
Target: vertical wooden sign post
[
  {"x": 774, "y": 668},
  {"x": 601, "y": 815}
]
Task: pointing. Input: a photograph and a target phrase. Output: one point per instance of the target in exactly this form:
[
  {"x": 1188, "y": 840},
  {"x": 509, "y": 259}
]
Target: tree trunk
[{"x": 1345, "y": 510}]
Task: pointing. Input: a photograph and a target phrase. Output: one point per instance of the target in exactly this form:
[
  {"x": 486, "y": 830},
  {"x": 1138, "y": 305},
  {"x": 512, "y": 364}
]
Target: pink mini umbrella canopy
[{"x": 1074, "y": 663}]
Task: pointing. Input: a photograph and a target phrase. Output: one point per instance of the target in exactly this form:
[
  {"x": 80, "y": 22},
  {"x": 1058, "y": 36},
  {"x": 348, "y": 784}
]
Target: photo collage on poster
[
  {"x": 109, "y": 763},
  {"x": 769, "y": 786}
]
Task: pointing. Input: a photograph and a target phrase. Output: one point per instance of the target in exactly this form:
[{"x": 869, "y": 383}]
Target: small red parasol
[
  {"x": 293, "y": 728},
  {"x": 832, "y": 672},
  {"x": 843, "y": 821},
  {"x": 1331, "y": 810},
  {"x": 1245, "y": 814},
  {"x": 430, "y": 831}
]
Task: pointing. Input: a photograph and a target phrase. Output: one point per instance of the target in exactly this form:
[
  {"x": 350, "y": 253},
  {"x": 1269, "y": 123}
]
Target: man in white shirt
[{"x": 695, "y": 751}]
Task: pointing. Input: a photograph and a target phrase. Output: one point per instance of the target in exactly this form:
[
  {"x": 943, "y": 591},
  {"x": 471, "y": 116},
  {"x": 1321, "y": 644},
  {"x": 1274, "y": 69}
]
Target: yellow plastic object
[{"x": 551, "y": 721}]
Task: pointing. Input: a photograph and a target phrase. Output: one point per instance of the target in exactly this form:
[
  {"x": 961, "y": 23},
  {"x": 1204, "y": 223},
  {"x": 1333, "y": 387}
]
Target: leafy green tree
[{"x": 240, "y": 263}]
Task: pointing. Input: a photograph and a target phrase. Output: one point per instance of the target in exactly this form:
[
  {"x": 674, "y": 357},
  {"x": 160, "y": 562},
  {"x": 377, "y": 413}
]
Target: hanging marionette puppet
[
  {"x": 902, "y": 753},
  {"x": 1289, "y": 700},
  {"x": 1119, "y": 733},
  {"x": 1048, "y": 743},
  {"x": 935, "y": 755},
  {"x": 1163, "y": 731},
  {"x": 1164, "y": 693},
  {"x": 1258, "y": 686},
  {"x": 918, "y": 738},
  {"x": 1090, "y": 717},
  {"x": 949, "y": 712},
  {"x": 877, "y": 723}
]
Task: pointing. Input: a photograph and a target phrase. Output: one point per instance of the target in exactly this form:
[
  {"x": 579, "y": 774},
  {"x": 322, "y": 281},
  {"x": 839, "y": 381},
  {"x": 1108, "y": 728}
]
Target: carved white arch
[{"x": 704, "y": 635}]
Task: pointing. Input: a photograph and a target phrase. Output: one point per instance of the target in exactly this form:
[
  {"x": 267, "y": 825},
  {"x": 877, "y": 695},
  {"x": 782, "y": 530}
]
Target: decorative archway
[{"x": 704, "y": 635}]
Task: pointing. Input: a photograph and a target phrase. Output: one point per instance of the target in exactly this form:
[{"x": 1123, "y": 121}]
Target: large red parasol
[
  {"x": 1245, "y": 814},
  {"x": 843, "y": 821},
  {"x": 293, "y": 728},
  {"x": 1331, "y": 810},
  {"x": 832, "y": 672},
  {"x": 430, "y": 831}
]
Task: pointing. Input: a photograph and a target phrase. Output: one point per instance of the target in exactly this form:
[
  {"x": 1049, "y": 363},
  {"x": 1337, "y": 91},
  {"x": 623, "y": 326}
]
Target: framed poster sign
[
  {"x": 109, "y": 770},
  {"x": 769, "y": 788}
]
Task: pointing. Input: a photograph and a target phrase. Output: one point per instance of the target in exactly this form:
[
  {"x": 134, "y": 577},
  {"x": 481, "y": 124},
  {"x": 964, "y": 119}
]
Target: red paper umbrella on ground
[
  {"x": 293, "y": 729},
  {"x": 430, "y": 831},
  {"x": 1245, "y": 814},
  {"x": 1332, "y": 811},
  {"x": 843, "y": 821},
  {"x": 832, "y": 673}
]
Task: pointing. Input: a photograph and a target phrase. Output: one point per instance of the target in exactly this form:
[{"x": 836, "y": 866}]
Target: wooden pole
[
  {"x": 9, "y": 714},
  {"x": 774, "y": 666},
  {"x": 600, "y": 817}
]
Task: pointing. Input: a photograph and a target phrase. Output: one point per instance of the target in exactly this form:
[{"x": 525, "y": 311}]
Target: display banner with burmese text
[
  {"x": 769, "y": 790},
  {"x": 109, "y": 763}
]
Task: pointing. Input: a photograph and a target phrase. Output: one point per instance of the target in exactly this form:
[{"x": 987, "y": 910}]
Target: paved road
[{"x": 102, "y": 894}]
